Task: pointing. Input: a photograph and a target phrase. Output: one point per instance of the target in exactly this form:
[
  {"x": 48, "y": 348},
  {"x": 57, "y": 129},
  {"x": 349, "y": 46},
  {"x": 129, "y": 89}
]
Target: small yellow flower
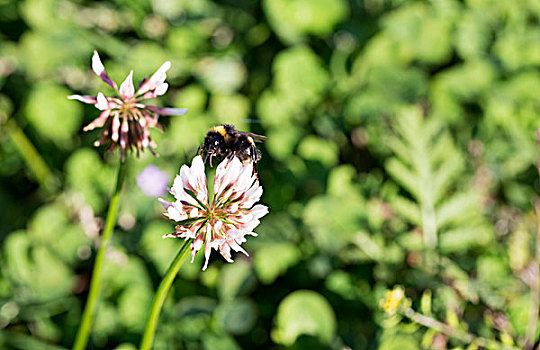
[{"x": 390, "y": 303}]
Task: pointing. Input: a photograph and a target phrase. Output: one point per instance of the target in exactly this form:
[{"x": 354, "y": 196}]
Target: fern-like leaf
[{"x": 428, "y": 166}]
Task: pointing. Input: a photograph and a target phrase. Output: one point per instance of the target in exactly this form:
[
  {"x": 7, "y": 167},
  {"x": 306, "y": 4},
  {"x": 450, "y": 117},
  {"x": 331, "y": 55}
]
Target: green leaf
[
  {"x": 281, "y": 142},
  {"x": 37, "y": 268},
  {"x": 236, "y": 316},
  {"x": 232, "y": 109},
  {"x": 428, "y": 165},
  {"x": 133, "y": 306},
  {"x": 473, "y": 36},
  {"x": 126, "y": 346},
  {"x": 404, "y": 176},
  {"x": 273, "y": 259},
  {"x": 457, "y": 208},
  {"x": 400, "y": 342},
  {"x": 407, "y": 209},
  {"x": 317, "y": 149},
  {"x": 304, "y": 312},
  {"x": 107, "y": 320},
  {"x": 235, "y": 279},
  {"x": 50, "y": 226},
  {"x": 518, "y": 313},
  {"x": 86, "y": 174},
  {"x": 16, "y": 254},
  {"x": 160, "y": 250},
  {"x": 461, "y": 239},
  {"x": 54, "y": 116},
  {"x": 51, "y": 277},
  {"x": 493, "y": 271},
  {"x": 124, "y": 271},
  {"x": 291, "y": 20},
  {"x": 222, "y": 76},
  {"x": 340, "y": 180},
  {"x": 299, "y": 73},
  {"x": 423, "y": 29},
  {"x": 334, "y": 219},
  {"x": 219, "y": 342}
]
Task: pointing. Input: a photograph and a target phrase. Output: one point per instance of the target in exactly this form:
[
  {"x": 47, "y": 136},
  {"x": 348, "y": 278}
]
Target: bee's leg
[
  {"x": 254, "y": 153},
  {"x": 206, "y": 157},
  {"x": 230, "y": 158},
  {"x": 211, "y": 156},
  {"x": 198, "y": 150},
  {"x": 255, "y": 172}
]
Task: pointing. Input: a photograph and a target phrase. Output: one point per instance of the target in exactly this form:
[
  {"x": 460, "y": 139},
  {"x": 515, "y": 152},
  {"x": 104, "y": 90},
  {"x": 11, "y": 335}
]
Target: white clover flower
[
  {"x": 125, "y": 120},
  {"x": 223, "y": 222}
]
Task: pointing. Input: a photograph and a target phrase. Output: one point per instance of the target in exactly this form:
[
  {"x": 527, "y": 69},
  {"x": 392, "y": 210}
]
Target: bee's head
[
  {"x": 213, "y": 142},
  {"x": 213, "y": 146}
]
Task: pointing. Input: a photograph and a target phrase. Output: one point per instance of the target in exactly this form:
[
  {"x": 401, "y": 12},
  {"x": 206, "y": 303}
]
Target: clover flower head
[
  {"x": 153, "y": 182},
  {"x": 223, "y": 222},
  {"x": 124, "y": 118}
]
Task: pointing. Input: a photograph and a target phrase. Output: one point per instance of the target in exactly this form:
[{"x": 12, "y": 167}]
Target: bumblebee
[{"x": 224, "y": 141}]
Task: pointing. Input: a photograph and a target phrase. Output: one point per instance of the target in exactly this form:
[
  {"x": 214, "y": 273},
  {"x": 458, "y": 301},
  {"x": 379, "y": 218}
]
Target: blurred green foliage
[{"x": 401, "y": 151}]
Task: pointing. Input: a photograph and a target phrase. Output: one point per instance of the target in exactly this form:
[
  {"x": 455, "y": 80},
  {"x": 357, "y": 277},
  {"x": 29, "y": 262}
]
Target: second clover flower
[
  {"x": 223, "y": 222},
  {"x": 124, "y": 118}
]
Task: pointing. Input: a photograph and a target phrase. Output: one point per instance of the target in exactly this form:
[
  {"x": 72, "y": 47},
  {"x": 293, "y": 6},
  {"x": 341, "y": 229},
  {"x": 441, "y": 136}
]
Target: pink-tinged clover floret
[
  {"x": 224, "y": 222},
  {"x": 124, "y": 118}
]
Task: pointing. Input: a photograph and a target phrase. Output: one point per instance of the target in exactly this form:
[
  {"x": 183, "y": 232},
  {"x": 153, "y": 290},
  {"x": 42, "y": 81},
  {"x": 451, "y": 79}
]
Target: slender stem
[
  {"x": 161, "y": 294},
  {"x": 429, "y": 226},
  {"x": 34, "y": 161},
  {"x": 83, "y": 333},
  {"x": 452, "y": 332}
]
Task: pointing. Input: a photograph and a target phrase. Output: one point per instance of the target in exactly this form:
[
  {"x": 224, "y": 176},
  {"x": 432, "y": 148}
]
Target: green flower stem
[
  {"x": 47, "y": 181},
  {"x": 452, "y": 332},
  {"x": 89, "y": 311},
  {"x": 161, "y": 294}
]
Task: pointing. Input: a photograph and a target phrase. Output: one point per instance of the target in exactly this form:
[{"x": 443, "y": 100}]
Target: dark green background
[{"x": 385, "y": 119}]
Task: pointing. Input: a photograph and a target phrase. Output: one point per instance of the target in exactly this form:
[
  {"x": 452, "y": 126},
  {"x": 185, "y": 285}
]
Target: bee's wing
[{"x": 255, "y": 137}]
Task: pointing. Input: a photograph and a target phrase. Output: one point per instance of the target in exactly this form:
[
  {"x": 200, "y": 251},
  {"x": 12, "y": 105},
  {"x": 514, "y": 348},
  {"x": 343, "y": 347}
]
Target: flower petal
[
  {"x": 197, "y": 179},
  {"x": 164, "y": 203},
  {"x": 252, "y": 196},
  {"x": 225, "y": 251},
  {"x": 207, "y": 250},
  {"x": 196, "y": 246},
  {"x": 161, "y": 89},
  {"x": 127, "y": 90},
  {"x": 101, "y": 102},
  {"x": 167, "y": 110},
  {"x": 226, "y": 175},
  {"x": 259, "y": 211},
  {"x": 245, "y": 178},
  {"x": 99, "y": 69},
  {"x": 99, "y": 121},
  {"x": 156, "y": 79},
  {"x": 115, "y": 128},
  {"x": 83, "y": 98}
]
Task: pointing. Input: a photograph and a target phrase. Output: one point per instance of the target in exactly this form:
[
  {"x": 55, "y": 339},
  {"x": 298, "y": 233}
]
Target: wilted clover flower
[
  {"x": 124, "y": 118},
  {"x": 223, "y": 222}
]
